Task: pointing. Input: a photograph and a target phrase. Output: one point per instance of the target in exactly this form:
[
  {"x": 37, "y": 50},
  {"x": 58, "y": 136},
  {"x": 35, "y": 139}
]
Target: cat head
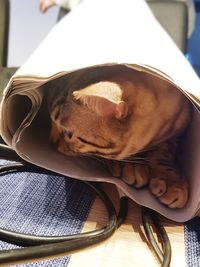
[
  {"x": 118, "y": 117},
  {"x": 91, "y": 121}
]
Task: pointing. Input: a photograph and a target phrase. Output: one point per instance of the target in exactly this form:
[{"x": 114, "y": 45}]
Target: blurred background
[
  {"x": 194, "y": 42},
  {"x": 28, "y": 27}
]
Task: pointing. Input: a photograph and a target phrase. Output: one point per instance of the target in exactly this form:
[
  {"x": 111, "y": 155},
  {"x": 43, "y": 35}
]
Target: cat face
[
  {"x": 118, "y": 117},
  {"x": 90, "y": 126}
]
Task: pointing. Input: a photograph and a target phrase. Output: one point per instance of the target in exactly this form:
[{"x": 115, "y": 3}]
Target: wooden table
[{"x": 128, "y": 246}]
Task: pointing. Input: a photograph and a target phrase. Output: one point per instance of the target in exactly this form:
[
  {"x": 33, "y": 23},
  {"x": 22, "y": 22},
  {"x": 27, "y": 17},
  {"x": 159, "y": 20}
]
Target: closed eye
[
  {"x": 110, "y": 145},
  {"x": 68, "y": 133}
]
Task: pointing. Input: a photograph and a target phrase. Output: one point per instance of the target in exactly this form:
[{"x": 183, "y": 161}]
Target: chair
[
  {"x": 5, "y": 73},
  {"x": 4, "y": 25},
  {"x": 173, "y": 16}
]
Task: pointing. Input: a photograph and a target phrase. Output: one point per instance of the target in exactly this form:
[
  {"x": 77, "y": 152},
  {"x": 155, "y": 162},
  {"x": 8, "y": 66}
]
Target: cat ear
[{"x": 104, "y": 98}]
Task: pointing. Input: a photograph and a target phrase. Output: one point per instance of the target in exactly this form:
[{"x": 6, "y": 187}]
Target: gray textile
[
  {"x": 192, "y": 242},
  {"x": 43, "y": 205}
]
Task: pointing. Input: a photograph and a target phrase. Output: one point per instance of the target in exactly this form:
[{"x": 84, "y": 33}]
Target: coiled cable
[
  {"x": 149, "y": 218},
  {"x": 45, "y": 247}
]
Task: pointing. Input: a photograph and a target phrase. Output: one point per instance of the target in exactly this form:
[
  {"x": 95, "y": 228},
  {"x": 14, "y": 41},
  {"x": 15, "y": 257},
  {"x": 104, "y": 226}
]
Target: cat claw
[
  {"x": 158, "y": 187},
  {"x": 173, "y": 195},
  {"x": 176, "y": 196},
  {"x": 135, "y": 175},
  {"x": 114, "y": 167}
]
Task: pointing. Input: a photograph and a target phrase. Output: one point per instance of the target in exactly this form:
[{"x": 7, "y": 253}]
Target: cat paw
[
  {"x": 114, "y": 167},
  {"x": 132, "y": 174},
  {"x": 173, "y": 195},
  {"x": 136, "y": 175}
]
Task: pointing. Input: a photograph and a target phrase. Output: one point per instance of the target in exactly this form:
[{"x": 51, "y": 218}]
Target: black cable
[
  {"x": 149, "y": 233},
  {"x": 42, "y": 247},
  {"x": 8, "y": 153},
  {"x": 24, "y": 167},
  {"x": 164, "y": 239},
  {"x": 41, "y": 252},
  {"x": 122, "y": 211},
  {"x": 165, "y": 256},
  {"x": 22, "y": 239}
]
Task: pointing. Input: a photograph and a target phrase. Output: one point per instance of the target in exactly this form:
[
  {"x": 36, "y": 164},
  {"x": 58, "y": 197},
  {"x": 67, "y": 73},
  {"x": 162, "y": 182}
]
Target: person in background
[{"x": 44, "y": 5}]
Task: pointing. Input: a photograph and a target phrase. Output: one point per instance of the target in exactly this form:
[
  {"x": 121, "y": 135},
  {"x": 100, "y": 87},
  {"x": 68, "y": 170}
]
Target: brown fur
[{"x": 122, "y": 116}]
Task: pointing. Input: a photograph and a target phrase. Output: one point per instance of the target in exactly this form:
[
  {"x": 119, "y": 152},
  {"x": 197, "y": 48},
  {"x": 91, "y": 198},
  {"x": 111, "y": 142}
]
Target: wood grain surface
[{"x": 128, "y": 246}]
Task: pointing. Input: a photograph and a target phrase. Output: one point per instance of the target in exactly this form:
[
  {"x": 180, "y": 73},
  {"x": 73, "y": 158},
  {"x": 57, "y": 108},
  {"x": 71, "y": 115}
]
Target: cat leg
[
  {"x": 166, "y": 182},
  {"x": 114, "y": 167},
  {"x": 173, "y": 194},
  {"x": 136, "y": 175}
]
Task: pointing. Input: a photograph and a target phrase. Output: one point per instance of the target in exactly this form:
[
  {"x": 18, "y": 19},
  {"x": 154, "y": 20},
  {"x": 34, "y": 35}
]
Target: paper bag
[{"x": 99, "y": 35}]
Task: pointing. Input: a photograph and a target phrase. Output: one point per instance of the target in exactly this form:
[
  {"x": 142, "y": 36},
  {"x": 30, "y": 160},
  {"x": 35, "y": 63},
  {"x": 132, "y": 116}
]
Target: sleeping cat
[{"x": 133, "y": 120}]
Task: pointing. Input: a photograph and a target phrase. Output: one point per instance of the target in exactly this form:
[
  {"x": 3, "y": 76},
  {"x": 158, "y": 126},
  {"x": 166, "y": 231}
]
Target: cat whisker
[
  {"x": 87, "y": 155},
  {"x": 128, "y": 160},
  {"x": 141, "y": 161},
  {"x": 135, "y": 159},
  {"x": 147, "y": 150}
]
